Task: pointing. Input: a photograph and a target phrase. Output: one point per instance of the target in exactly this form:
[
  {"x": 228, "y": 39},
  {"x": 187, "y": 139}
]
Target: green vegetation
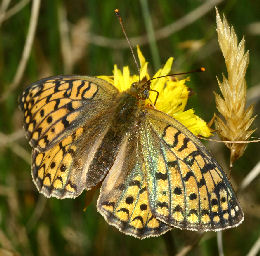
[{"x": 84, "y": 37}]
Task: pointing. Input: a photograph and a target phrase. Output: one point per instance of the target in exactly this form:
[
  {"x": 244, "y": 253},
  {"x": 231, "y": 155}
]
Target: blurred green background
[{"x": 84, "y": 37}]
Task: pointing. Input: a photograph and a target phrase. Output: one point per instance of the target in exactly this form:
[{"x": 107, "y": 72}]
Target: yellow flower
[{"x": 173, "y": 95}]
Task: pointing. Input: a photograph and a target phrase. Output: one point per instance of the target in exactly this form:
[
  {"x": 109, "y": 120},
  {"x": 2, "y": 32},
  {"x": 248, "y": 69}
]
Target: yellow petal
[
  {"x": 194, "y": 123},
  {"x": 141, "y": 58},
  {"x": 158, "y": 84},
  {"x": 173, "y": 95},
  {"x": 176, "y": 97},
  {"x": 143, "y": 71},
  {"x": 167, "y": 67},
  {"x": 126, "y": 83},
  {"x": 117, "y": 78}
]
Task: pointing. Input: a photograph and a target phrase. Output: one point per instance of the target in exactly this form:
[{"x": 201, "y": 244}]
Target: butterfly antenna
[
  {"x": 128, "y": 41},
  {"x": 201, "y": 69}
]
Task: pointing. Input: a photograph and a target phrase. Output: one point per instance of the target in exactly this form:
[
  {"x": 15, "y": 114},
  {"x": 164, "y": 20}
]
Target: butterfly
[{"x": 154, "y": 173}]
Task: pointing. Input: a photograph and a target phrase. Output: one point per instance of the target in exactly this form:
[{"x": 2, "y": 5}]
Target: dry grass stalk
[
  {"x": 26, "y": 50},
  {"x": 73, "y": 39},
  {"x": 235, "y": 119}
]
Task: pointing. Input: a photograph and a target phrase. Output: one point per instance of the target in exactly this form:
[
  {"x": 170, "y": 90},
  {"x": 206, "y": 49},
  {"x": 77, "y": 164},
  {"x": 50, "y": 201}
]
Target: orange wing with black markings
[
  {"x": 123, "y": 199},
  {"x": 54, "y": 107},
  {"x": 66, "y": 119},
  {"x": 62, "y": 170},
  {"x": 186, "y": 186}
]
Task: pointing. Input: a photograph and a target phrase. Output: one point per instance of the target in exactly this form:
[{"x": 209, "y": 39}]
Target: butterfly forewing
[
  {"x": 54, "y": 107},
  {"x": 186, "y": 186},
  {"x": 66, "y": 119}
]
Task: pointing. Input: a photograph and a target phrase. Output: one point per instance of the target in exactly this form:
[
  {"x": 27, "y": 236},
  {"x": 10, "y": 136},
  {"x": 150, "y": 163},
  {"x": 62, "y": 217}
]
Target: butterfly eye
[
  {"x": 145, "y": 94},
  {"x": 134, "y": 85}
]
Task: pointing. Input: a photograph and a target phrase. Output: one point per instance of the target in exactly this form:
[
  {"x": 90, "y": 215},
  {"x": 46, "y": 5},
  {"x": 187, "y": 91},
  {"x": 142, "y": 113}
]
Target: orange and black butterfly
[{"x": 155, "y": 173}]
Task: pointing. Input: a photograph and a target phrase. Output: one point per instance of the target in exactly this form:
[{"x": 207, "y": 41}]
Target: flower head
[{"x": 173, "y": 94}]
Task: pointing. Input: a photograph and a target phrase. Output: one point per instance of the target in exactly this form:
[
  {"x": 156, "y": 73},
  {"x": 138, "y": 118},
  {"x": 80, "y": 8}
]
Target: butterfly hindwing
[
  {"x": 186, "y": 186},
  {"x": 54, "y": 107},
  {"x": 123, "y": 199}
]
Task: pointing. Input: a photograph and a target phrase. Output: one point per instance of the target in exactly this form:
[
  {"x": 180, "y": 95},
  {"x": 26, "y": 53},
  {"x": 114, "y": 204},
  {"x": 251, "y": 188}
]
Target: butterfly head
[{"x": 141, "y": 90}]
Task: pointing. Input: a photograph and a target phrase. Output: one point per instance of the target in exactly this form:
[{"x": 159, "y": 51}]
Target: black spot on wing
[
  {"x": 57, "y": 102},
  {"x": 80, "y": 86},
  {"x": 204, "y": 212},
  {"x": 161, "y": 176},
  {"x": 106, "y": 203},
  {"x": 193, "y": 211},
  {"x": 201, "y": 183},
  {"x": 220, "y": 186},
  {"x": 139, "y": 218},
  {"x": 207, "y": 167},
  {"x": 189, "y": 160},
  {"x": 177, "y": 191},
  {"x": 185, "y": 144},
  {"x": 188, "y": 175},
  {"x": 63, "y": 168},
  {"x": 162, "y": 205},
  {"x": 42, "y": 112},
  {"x": 135, "y": 183},
  {"x": 173, "y": 164},
  {"x": 178, "y": 208},
  {"x": 193, "y": 196},
  {"x": 129, "y": 200},
  {"x": 164, "y": 131},
  {"x": 65, "y": 122},
  {"x": 143, "y": 207},
  {"x": 223, "y": 199},
  {"x": 49, "y": 119},
  {"x": 70, "y": 107},
  {"x": 176, "y": 140},
  {"x": 124, "y": 210},
  {"x": 74, "y": 186},
  {"x": 142, "y": 190},
  {"x": 60, "y": 179}
]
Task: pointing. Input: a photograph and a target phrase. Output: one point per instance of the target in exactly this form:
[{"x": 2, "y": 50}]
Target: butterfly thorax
[{"x": 125, "y": 112}]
